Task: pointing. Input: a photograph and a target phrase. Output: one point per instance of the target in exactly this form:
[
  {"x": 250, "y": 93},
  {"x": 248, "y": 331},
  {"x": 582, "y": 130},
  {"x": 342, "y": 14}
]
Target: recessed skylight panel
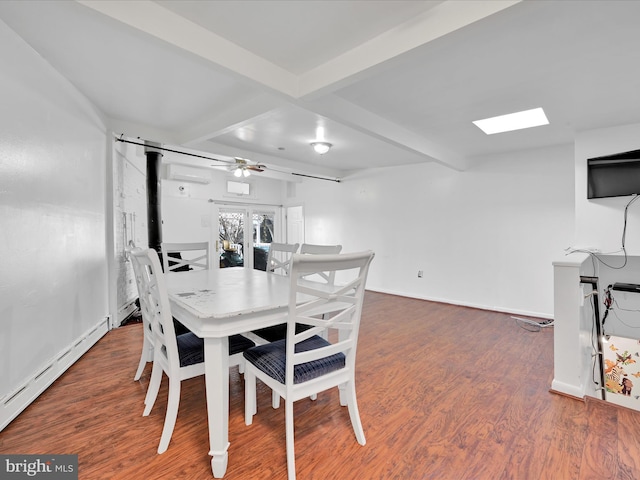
[{"x": 513, "y": 121}]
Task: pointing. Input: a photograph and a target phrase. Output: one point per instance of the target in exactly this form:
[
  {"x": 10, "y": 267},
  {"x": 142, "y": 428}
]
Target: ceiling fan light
[
  {"x": 321, "y": 147},
  {"x": 246, "y": 172},
  {"x": 237, "y": 172}
]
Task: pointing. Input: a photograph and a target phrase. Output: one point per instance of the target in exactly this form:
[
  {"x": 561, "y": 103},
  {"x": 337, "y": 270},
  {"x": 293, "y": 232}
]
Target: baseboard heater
[{"x": 12, "y": 404}]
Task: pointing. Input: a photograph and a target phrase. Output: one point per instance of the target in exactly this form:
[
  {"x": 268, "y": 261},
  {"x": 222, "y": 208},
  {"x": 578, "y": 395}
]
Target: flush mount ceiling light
[
  {"x": 512, "y": 121},
  {"x": 321, "y": 147}
]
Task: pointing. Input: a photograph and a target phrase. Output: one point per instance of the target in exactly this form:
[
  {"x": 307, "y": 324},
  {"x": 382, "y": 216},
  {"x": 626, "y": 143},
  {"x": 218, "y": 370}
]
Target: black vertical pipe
[{"x": 154, "y": 194}]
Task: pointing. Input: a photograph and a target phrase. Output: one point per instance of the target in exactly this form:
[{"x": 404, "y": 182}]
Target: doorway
[
  {"x": 230, "y": 242},
  {"x": 235, "y": 247}
]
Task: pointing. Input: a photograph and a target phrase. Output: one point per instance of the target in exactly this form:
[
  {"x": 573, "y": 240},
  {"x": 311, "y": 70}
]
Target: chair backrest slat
[
  {"x": 279, "y": 258},
  {"x": 312, "y": 249},
  {"x": 178, "y": 257}
]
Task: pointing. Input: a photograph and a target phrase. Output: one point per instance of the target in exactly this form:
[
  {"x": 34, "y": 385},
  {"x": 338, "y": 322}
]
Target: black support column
[{"x": 154, "y": 196}]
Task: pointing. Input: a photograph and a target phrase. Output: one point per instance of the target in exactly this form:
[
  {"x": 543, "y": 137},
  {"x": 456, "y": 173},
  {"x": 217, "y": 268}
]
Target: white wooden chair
[
  {"x": 278, "y": 262},
  {"x": 304, "y": 363},
  {"x": 146, "y": 355},
  {"x": 320, "y": 249},
  {"x": 181, "y": 257},
  {"x": 185, "y": 256},
  {"x": 278, "y": 332},
  {"x": 179, "y": 357},
  {"x": 147, "y": 347},
  {"x": 311, "y": 249},
  {"x": 279, "y": 258}
]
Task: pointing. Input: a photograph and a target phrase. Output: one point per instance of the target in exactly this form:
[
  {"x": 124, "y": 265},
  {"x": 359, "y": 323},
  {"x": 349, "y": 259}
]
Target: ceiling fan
[
  {"x": 243, "y": 168},
  {"x": 239, "y": 166}
]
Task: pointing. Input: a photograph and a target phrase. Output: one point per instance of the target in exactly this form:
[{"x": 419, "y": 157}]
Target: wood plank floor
[{"x": 445, "y": 392}]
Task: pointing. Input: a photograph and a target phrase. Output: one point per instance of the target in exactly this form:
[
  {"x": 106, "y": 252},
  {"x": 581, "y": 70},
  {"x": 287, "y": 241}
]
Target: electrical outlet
[{"x": 420, "y": 272}]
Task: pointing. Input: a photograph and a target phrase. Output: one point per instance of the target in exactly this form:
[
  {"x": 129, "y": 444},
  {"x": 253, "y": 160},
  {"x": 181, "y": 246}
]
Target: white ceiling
[{"x": 391, "y": 82}]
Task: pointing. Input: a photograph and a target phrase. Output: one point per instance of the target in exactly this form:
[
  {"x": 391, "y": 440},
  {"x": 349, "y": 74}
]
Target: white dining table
[{"x": 215, "y": 304}]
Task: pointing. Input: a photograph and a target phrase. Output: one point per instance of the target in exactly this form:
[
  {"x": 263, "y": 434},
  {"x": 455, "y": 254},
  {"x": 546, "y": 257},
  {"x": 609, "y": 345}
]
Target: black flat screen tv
[{"x": 614, "y": 175}]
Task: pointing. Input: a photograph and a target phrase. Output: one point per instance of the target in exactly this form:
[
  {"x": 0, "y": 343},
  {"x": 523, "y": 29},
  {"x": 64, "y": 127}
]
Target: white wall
[
  {"x": 599, "y": 225},
  {"x": 130, "y": 220},
  {"x": 485, "y": 237},
  {"x": 53, "y": 267},
  {"x": 599, "y": 222},
  {"x": 188, "y": 213}
]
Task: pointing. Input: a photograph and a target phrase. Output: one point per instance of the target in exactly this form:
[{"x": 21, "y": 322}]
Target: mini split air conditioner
[{"x": 185, "y": 174}]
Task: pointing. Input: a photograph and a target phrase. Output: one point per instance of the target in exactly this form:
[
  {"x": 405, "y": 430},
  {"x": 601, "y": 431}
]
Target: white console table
[
  {"x": 573, "y": 321},
  {"x": 574, "y": 369}
]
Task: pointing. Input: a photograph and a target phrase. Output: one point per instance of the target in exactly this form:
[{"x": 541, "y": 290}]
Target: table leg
[{"x": 216, "y": 361}]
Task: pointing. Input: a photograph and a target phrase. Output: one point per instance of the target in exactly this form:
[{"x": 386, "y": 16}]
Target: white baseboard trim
[
  {"x": 492, "y": 308},
  {"x": 576, "y": 391},
  {"x": 12, "y": 404}
]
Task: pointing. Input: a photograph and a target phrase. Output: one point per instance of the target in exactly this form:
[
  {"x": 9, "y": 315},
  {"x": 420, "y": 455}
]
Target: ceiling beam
[
  {"x": 140, "y": 131},
  {"x": 161, "y": 23},
  {"x": 314, "y": 89},
  {"x": 374, "y": 55},
  {"x": 347, "y": 113},
  {"x": 229, "y": 120}
]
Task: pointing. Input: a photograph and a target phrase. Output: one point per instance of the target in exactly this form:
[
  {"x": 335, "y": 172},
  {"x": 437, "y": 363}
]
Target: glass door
[
  {"x": 234, "y": 248},
  {"x": 263, "y": 234},
  {"x": 230, "y": 243}
]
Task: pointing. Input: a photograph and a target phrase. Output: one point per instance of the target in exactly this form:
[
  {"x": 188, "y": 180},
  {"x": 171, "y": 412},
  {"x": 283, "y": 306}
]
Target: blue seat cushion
[
  {"x": 191, "y": 347},
  {"x": 239, "y": 343},
  {"x": 271, "y": 359},
  {"x": 278, "y": 332}
]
